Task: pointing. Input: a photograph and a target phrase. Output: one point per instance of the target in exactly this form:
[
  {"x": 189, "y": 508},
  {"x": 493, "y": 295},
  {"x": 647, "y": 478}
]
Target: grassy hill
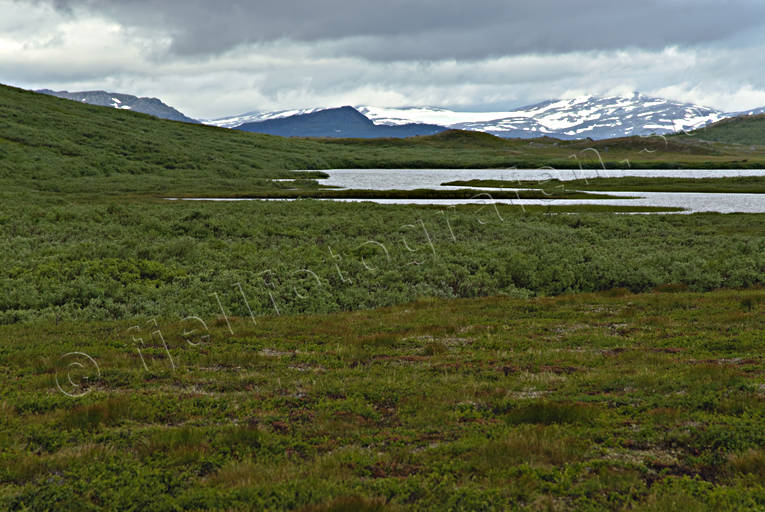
[
  {"x": 747, "y": 130},
  {"x": 43, "y": 138}
]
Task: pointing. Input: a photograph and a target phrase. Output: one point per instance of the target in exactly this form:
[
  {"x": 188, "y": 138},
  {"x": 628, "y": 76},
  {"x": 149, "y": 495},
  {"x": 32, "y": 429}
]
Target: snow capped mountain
[
  {"x": 151, "y": 106},
  {"x": 576, "y": 118}
]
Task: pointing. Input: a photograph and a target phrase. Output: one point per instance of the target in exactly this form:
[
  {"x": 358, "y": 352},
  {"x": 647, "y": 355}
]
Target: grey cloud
[
  {"x": 399, "y": 54},
  {"x": 433, "y": 29}
]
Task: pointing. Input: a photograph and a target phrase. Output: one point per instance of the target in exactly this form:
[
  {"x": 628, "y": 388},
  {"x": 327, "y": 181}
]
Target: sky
[{"x": 212, "y": 59}]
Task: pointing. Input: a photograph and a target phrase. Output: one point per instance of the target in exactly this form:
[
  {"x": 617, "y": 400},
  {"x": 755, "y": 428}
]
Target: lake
[{"x": 411, "y": 179}]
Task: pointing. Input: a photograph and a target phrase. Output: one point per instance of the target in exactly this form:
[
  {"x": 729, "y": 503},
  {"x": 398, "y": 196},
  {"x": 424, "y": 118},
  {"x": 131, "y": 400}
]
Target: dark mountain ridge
[{"x": 343, "y": 122}]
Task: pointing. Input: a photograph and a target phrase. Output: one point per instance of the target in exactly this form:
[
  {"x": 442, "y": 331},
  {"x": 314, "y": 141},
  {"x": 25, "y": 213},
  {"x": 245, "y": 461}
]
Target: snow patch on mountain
[
  {"x": 753, "y": 112},
  {"x": 256, "y": 117}
]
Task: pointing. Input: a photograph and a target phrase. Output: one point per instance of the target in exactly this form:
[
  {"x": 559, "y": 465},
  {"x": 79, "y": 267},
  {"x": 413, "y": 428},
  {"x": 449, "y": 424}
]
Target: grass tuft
[
  {"x": 350, "y": 504},
  {"x": 550, "y": 413},
  {"x": 91, "y": 417},
  {"x": 435, "y": 348},
  {"x": 751, "y": 462}
]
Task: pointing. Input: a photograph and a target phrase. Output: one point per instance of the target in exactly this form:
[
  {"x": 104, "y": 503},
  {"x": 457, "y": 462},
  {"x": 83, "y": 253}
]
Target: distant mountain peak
[
  {"x": 335, "y": 122},
  {"x": 151, "y": 106}
]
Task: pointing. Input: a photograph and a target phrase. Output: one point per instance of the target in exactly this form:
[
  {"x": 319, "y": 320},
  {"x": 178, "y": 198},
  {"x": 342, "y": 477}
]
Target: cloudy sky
[{"x": 212, "y": 59}]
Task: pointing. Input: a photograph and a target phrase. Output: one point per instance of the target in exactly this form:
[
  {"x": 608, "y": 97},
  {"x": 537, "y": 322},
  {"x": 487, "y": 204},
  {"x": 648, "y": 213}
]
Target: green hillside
[
  {"x": 46, "y": 138},
  {"x": 748, "y": 130}
]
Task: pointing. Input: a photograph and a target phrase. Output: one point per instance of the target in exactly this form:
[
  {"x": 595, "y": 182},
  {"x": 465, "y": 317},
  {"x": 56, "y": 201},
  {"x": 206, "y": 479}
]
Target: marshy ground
[{"x": 589, "y": 401}]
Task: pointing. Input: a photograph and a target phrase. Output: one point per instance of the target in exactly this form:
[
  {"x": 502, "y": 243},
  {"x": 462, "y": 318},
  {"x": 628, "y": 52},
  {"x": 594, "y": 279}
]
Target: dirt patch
[{"x": 393, "y": 469}]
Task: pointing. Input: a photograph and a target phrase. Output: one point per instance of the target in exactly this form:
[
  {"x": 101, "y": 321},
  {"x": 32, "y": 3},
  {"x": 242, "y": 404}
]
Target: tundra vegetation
[{"x": 319, "y": 356}]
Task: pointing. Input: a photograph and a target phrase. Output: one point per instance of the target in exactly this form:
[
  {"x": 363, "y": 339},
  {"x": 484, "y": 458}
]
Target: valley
[{"x": 317, "y": 355}]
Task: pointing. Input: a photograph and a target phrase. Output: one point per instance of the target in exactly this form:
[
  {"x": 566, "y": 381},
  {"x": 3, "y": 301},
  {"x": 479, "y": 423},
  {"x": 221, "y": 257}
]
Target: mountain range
[
  {"x": 576, "y": 118},
  {"x": 151, "y": 106}
]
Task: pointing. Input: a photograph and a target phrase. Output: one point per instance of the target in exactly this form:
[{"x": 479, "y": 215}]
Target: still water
[{"x": 411, "y": 179}]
